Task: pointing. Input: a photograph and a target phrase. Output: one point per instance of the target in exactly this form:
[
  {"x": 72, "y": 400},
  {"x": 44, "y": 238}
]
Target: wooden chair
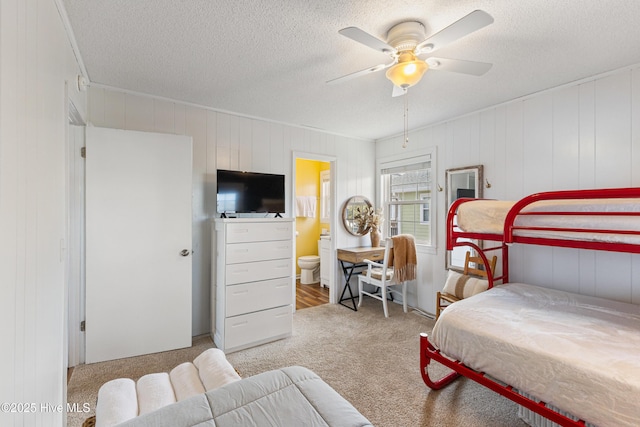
[
  {"x": 443, "y": 299},
  {"x": 381, "y": 276}
]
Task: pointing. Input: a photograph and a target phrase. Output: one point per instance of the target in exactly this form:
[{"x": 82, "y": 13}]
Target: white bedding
[
  {"x": 488, "y": 216},
  {"x": 578, "y": 353}
]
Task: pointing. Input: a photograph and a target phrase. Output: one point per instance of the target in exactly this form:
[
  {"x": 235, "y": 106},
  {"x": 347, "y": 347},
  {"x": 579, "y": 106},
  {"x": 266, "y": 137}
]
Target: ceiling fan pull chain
[{"x": 406, "y": 118}]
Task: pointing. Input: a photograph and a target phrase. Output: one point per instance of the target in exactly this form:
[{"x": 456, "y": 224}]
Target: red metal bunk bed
[{"x": 607, "y": 229}]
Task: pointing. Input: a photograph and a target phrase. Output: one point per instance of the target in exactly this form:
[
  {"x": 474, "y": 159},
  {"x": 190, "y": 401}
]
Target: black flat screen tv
[{"x": 247, "y": 192}]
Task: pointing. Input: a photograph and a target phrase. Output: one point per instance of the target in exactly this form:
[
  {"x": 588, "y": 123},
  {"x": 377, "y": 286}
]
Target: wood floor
[{"x": 310, "y": 295}]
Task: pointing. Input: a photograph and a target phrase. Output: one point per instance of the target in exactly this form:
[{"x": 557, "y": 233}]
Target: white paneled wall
[
  {"x": 36, "y": 61},
  {"x": 578, "y": 136},
  {"x": 227, "y": 141}
]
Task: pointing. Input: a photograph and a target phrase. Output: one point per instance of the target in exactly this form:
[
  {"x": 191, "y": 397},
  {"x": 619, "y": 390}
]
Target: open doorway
[
  {"x": 75, "y": 238},
  {"x": 313, "y": 208}
]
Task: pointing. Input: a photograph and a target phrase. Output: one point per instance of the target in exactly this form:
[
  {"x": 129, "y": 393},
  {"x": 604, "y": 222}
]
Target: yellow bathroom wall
[{"x": 308, "y": 184}]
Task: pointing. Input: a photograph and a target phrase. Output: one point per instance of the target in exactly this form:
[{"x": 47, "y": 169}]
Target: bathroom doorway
[{"x": 313, "y": 207}]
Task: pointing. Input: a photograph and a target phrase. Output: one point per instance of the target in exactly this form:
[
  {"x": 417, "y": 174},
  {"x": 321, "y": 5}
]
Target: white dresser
[{"x": 254, "y": 284}]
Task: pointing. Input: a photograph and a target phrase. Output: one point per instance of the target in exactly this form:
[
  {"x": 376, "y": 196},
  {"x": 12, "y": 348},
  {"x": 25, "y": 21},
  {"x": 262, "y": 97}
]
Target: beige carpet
[{"x": 372, "y": 361}]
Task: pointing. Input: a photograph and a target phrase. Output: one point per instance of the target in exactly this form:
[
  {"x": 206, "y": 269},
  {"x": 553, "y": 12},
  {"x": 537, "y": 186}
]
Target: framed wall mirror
[
  {"x": 349, "y": 211},
  {"x": 463, "y": 182},
  {"x": 460, "y": 183}
]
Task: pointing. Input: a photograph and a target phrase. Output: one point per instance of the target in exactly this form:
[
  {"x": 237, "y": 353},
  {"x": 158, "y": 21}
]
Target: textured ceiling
[{"x": 271, "y": 58}]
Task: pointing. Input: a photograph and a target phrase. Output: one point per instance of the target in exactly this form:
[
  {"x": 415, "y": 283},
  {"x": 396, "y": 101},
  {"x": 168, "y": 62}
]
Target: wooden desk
[{"x": 351, "y": 259}]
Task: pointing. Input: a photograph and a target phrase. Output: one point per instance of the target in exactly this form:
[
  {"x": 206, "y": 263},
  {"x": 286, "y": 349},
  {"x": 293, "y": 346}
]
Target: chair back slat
[
  {"x": 480, "y": 269},
  {"x": 388, "y": 248}
]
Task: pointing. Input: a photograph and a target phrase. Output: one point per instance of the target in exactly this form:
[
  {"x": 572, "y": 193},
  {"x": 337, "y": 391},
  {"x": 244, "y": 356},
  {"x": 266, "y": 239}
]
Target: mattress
[
  {"x": 292, "y": 396},
  {"x": 577, "y": 353},
  {"x": 488, "y": 216}
]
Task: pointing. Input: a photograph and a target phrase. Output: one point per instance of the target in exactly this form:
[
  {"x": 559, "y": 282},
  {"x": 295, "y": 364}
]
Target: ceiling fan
[{"x": 406, "y": 42}]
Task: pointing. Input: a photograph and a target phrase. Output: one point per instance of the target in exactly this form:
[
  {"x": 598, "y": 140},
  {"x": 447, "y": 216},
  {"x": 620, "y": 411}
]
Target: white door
[{"x": 138, "y": 243}]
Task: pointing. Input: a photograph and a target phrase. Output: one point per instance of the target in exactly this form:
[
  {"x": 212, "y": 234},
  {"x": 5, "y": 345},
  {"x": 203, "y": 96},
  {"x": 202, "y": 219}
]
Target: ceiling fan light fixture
[{"x": 407, "y": 73}]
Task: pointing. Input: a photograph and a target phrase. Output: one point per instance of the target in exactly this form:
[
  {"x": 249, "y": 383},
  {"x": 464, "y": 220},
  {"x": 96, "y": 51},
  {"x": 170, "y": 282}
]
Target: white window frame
[
  {"x": 428, "y": 154},
  {"x": 325, "y": 196}
]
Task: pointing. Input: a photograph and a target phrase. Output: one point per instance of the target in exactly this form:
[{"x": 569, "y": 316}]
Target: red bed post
[{"x": 505, "y": 263}]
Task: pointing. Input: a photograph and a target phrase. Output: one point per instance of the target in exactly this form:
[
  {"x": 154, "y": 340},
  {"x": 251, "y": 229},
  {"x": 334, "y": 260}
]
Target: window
[
  {"x": 407, "y": 198},
  {"x": 425, "y": 215},
  {"x": 325, "y": 196}
]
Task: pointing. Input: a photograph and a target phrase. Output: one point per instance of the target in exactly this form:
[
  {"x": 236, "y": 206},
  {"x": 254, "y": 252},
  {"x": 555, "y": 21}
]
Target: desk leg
[{"x": 348, "y": 271}]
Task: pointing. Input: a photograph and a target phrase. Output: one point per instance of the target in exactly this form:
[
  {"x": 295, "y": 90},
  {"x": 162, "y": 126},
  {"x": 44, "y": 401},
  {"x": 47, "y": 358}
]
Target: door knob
[{"x": 184, "y": 252}]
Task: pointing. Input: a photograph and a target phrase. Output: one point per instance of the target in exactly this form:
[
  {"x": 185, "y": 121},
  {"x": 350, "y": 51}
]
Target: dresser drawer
[
  {"x": 242, "y": 331},
  {"x": 260, "y": 270},
  {"x": 358, "y": 255},
  {"x": 258, "y": 232},
  {"x": 260, "y": 251},
  {"x": 256, "y": 296}
]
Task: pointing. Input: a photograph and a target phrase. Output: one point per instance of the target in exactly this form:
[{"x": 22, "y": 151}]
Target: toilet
[{"x": 309, "y": 269}]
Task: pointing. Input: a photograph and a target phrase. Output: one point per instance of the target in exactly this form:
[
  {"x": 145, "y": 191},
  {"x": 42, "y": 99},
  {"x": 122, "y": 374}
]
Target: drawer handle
[
  {"x": 241, "y": 271},
  {"x": 241, "y": 230},
  {"x": 239, "y": 324},
  {"x": 240, "y": 292},
  {"x": 282, "y": 315},
  {"x": 241, "y": 250},
  {"x": 283, "y": 266},
  {"x": 285, "y": 285}
]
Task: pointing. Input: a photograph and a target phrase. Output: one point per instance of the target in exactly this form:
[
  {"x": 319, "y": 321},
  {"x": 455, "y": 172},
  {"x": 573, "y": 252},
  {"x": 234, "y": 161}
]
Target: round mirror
[{"x": 349, "y": 211}]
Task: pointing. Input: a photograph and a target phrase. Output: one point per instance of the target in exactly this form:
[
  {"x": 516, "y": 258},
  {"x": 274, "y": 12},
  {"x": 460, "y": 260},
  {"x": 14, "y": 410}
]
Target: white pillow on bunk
[{"x": 464, "y": 286}]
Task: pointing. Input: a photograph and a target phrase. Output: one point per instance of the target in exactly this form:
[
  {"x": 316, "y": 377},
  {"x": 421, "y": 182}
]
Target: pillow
[{"x": 464, "y": 286}]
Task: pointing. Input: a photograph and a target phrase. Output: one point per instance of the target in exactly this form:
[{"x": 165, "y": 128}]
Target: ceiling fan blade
[
  {"x": 361, "y": 73},
  {"x": 355, "y": 33},
  {"x": 397, "y": 91},
  {"x": 458, "y": 66},
  {"x": 462, "y": 27}
]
